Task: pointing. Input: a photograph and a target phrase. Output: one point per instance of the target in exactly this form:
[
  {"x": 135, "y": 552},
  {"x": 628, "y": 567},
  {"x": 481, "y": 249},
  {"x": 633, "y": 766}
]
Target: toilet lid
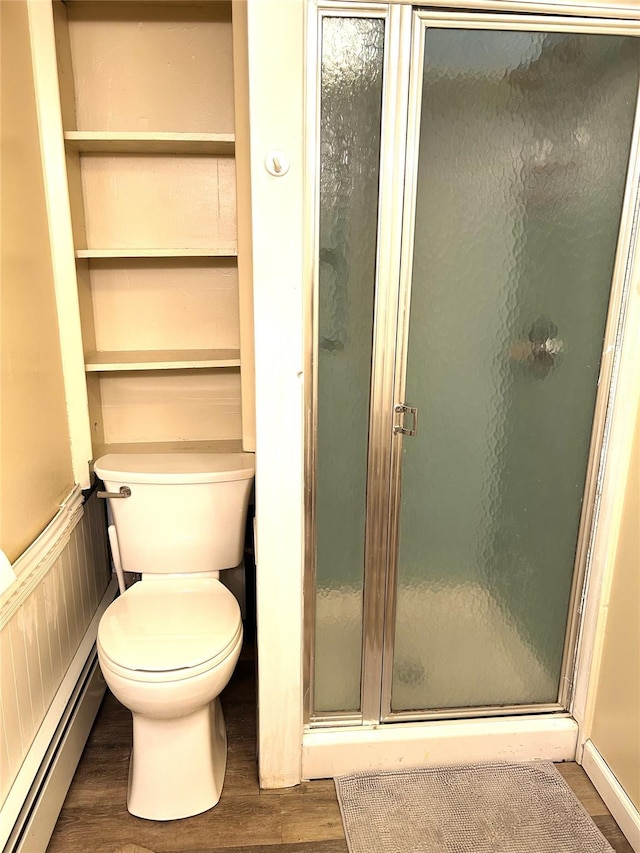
[{"x": 159, "y": 626}]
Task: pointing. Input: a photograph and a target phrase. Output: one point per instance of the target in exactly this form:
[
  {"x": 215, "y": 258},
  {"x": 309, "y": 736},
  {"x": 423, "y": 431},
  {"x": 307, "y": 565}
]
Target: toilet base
[{"x": 177, "y": 766}]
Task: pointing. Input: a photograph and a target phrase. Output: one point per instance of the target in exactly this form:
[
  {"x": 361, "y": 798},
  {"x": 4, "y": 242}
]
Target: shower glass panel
[
  {"x": 524, "y": 140},
  {"x": 351, "y": 108}
]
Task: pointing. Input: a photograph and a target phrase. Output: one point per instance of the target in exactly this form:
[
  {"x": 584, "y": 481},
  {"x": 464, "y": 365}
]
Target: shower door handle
[{"x": 401, "y": 409}]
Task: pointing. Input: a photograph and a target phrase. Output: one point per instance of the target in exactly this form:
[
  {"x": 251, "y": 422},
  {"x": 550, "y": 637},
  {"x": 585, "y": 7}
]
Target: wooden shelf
[
  {"x": 103, "y": 362},
  {"x": 103, "y": 142},
  {"x": 221, "y": 446},
  {"x": 222, "y": 250},
  {"x": 156, "y": 2}
]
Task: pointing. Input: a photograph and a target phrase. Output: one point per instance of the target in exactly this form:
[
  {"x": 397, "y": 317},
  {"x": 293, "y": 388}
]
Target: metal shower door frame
[{"x": 404, "y": 56}]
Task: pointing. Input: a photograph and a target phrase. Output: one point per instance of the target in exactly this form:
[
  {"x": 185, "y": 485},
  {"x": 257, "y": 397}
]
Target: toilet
[{"x": 169, "y": 644}]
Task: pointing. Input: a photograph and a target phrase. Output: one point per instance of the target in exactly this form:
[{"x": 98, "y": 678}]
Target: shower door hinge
[{"x": 401, "y": 409}]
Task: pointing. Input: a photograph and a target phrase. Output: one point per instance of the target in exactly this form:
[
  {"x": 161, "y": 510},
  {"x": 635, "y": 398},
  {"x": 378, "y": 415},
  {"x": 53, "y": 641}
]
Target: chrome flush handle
[
  {"x": 123, "y": 492},
  {"x": 401, "y": 409}
]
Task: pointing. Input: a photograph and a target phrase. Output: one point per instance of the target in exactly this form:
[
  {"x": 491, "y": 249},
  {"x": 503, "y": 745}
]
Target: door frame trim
[
  {"x": 510, "y": 20},
  {"x": 378, "y": 531},
  {"x": 577, "y": 8}
]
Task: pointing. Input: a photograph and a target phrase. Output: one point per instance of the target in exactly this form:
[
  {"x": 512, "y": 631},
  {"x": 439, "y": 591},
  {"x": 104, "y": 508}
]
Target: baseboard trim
[
  {"x": 29, "y": 813},
  {"x": 615, "y": 797},
  {"x": 333, "y": 752}
]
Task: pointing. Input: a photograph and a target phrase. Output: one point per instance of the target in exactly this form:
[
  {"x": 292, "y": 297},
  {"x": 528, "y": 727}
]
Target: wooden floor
[{"x": 305, "y": 819}]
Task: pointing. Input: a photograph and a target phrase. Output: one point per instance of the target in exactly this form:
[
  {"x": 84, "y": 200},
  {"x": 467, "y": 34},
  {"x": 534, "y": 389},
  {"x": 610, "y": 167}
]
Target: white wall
[{"x": 276, "y": 102}]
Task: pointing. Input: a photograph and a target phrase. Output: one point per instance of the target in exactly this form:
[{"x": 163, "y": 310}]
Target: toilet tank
[{"x": 186, "y": 512}]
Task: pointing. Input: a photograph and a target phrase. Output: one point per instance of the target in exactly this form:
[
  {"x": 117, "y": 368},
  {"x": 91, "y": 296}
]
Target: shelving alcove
[{"x": 151, "y": 95}]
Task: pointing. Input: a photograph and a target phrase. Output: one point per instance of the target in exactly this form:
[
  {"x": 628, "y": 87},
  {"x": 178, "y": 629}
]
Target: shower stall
[
  {"x": 473, "y": 206},
  {"x": 445, "y": 209}
]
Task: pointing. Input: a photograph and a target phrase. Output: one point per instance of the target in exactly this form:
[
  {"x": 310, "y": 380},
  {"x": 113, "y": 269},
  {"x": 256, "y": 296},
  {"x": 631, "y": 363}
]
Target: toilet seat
[{"x": 169, "y": 630}]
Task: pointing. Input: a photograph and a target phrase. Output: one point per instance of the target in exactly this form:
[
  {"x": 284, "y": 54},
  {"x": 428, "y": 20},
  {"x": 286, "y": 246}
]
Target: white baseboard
[
  {"x": 28, "y": 815},
  {"x": 615, "y": 797},
  {"x": 327, "y": 753}
]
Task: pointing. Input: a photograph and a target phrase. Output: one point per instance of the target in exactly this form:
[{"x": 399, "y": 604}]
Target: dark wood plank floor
[{"x": 305, "y": 819}]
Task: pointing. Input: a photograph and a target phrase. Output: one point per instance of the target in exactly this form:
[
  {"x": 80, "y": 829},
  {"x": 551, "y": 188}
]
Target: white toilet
[{"x": 168, "y": 646}]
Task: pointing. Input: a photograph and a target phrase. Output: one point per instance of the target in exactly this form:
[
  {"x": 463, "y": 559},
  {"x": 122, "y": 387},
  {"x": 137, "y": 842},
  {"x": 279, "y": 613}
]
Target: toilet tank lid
[{"x": 175, "y": 468}]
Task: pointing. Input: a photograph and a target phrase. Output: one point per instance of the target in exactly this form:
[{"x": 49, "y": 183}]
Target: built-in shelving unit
[{"x": 148, "y": 109}]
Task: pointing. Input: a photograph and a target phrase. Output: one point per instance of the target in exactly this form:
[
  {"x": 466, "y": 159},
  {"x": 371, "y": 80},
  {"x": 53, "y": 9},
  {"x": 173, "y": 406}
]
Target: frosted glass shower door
[
  {"x": 522, "y": 146},
  {"x": 351, "y": 65}
]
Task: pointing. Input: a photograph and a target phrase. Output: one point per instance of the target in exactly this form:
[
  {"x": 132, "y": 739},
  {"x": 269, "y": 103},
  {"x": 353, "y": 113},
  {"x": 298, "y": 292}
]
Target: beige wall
[
  {"x": 35, "y": 461},
  {"x": 616, "y": 723}
]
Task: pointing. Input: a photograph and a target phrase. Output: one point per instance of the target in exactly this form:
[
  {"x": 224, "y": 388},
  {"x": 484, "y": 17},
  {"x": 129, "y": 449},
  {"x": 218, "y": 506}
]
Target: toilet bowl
[
  {"x": 167, "y": 649},
  {"x": 169, "y": 644}
]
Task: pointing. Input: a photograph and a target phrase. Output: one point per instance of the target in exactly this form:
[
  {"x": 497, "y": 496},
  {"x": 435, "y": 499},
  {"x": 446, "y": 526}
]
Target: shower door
[{"x": 456, "y": 390}]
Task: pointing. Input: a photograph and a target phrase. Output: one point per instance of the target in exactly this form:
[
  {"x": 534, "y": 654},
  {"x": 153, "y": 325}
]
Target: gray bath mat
[{"x": 487, "y": 808}]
